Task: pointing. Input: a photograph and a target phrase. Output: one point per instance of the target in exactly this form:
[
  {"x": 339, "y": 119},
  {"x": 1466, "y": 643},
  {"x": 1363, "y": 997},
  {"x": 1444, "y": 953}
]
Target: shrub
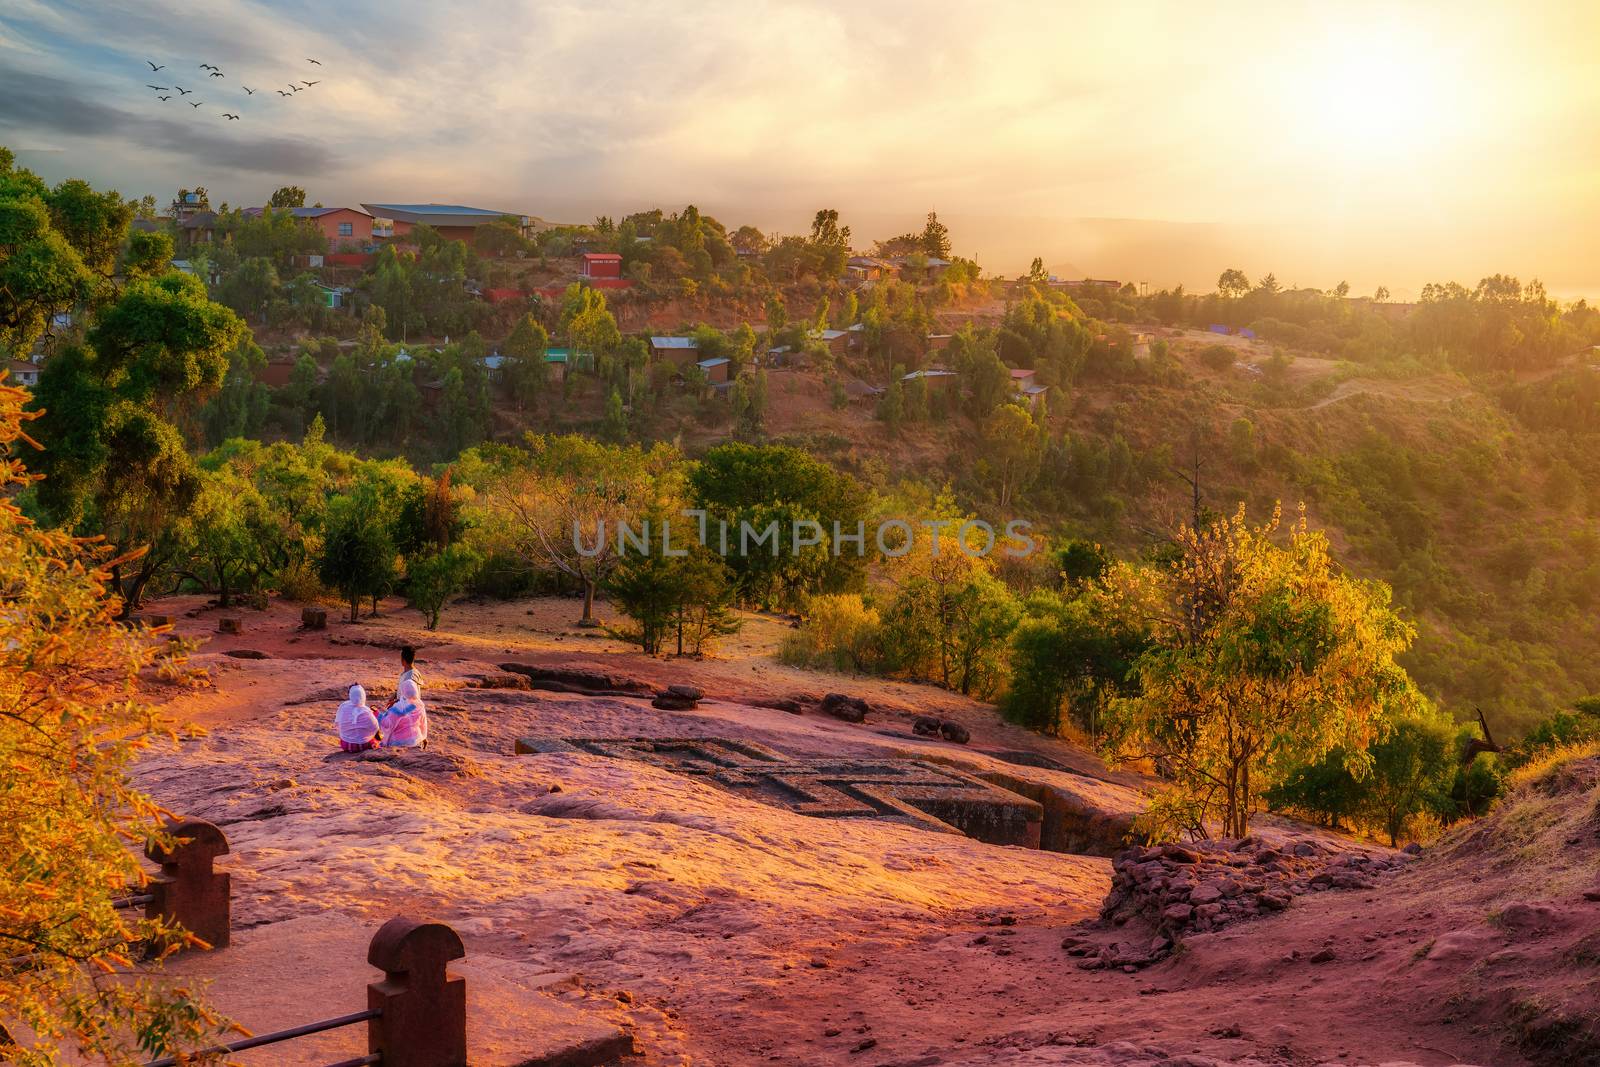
[
  {"x": 1217, "y": 357},
  {"x": 840, "y": 633},
  {"x": 431, "y": 580}
]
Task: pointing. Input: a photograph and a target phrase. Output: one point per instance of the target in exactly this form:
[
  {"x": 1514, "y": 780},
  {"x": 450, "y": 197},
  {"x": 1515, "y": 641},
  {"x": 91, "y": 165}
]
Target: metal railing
[{"x": 416, "y": 1015}]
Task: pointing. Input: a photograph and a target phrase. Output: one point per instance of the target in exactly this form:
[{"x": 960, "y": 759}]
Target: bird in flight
[
  {"x": 248, "y": 91},
  {"x": 182, "y": 91},
  {"x": 197, "y": 103},
  {"x": 293, "y": 87},
  {"x": 167, "y": 97},
  {"x": 310, "y": 84},
  {"x": 317, "y": 62},
  {"x": 207, "y": 66},
  {"x": 154, "y": 68},
  {"x": 229, "y": 117},
  {"x": 280, "y": 92},
  {"x": 218, "y": 74},
  {"x": 159, "y": 88}
]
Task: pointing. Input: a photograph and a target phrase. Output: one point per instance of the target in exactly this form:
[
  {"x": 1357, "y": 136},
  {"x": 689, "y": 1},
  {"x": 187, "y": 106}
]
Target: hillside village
[{"x": 423, "y": 330}]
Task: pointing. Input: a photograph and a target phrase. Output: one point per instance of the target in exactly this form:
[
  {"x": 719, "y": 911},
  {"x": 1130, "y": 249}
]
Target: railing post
[
  {"x": 422, "y": 1020},
  {"x": 188, "y": 891}
]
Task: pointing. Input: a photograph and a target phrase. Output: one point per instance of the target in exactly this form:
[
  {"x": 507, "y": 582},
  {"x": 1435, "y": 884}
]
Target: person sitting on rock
[
  {"x": 408, "y": 672},
  {"x": 356, "y": 723},
  {"x": 405, "y": 722},
  {"x": 408, "y": 665}
]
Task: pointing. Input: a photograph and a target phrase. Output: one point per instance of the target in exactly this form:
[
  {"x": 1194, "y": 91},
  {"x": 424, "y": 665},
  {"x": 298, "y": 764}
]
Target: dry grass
[{"x": 1541, "y": 768}]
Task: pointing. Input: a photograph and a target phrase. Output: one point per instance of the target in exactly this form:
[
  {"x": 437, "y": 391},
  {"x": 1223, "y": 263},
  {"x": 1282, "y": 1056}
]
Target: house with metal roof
[
  {"x": 338, "y": 224},
  {"x": 456, "y": 222},
  {"x": 837, "y": 341},
  {"x": 716, "y": 370},
  {"x": 679, "y": 351},
  {"x": 932, "y": 380}
]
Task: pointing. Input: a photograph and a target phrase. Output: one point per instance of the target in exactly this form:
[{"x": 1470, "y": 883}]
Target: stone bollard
[
  {"x": 151, "y": 622},
  {"x": 189, "y": 891},
  {"x": 313, "y": 618},
  {"x": 230, "y": 624},
  {"x": 422, "y": 1020}
]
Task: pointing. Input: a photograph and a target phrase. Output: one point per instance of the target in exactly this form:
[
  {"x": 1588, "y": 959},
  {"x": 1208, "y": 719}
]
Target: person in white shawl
[
  {"x": 356, "y": 723},
  {"x": 405, "y": 722}
]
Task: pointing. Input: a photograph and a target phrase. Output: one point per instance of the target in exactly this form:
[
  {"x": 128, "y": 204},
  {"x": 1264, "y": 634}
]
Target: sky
[{"x": 1379, "y": 144}]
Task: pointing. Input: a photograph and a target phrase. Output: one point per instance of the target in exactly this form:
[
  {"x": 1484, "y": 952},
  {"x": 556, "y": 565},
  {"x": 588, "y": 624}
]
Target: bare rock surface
[{"x": 725, "y": 931}]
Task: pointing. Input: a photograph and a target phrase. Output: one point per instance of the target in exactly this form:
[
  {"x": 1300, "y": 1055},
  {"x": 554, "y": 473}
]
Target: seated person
[
  {"x": 357, "y": 725},
  {"x": 408, "y": 672},
  {"x": 405, "y": 722}
]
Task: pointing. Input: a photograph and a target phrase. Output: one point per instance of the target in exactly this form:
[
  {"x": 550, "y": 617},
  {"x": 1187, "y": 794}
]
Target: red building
[{"x": 601, "y": 265}]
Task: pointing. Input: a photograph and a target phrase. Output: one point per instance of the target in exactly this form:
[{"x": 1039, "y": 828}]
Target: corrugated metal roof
[
  {"x": 441, "y": 209},
  {"x": 674, "y": 342},
  {"x": 717, "y": 362}
]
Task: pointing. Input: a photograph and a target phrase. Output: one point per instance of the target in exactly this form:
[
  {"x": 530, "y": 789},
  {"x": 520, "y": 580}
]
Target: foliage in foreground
[{"x": 69, "y": 725}]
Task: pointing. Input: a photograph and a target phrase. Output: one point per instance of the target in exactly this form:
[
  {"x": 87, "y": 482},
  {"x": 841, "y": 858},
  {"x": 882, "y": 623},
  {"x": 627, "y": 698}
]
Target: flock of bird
[{"x": 216, "y": 72}]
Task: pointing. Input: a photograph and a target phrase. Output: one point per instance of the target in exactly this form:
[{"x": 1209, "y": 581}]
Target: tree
[
  {"x": 892, "y": 405},
  {"x": 750, "y": 406},
  {"x": 1036, "y": 272},
  {"x": 687, "y": 597},
  {"x": 432, "y": 579},
  {"x": 524, "y": 371},
  {"x": 1412, "y": 767},
  {"x": 1381, "y": 294},
  {"x": 1070, "y": 656},
  {"x": 587, "y": 322},
  {"x": 830, "y": 244},
  {"x": 358, "y": 553},
  {"x": 1342, "y": 290},
  {"x": 226, "y": 544},
  {"x": 1263, "y": 657},
  {"x": 1233, "y": 284},
  {"x": 42, "y": 272},
  {"x": 784, "y": 490},
  {"x": 1012, "y": 447},
  {"x": 950, "y": 617},
  {"x": 935, "y": 240},
  {"x": 73, "y": 724},
  {"x": 115, "y": 462},
  {"x": 615, "y": 427},
  {"x": 287, "y": 196},
  {"x": 565, "y": 498}
]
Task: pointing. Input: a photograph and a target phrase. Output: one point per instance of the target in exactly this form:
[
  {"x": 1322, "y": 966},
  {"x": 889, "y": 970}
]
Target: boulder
[
  {"x": 847, "y": 708},
  {"x": 313, "y": 618},
  {"x": 685, "y": 692},
  {"x": 230, "y": 624},
  {"x": 926, "y": 726}
]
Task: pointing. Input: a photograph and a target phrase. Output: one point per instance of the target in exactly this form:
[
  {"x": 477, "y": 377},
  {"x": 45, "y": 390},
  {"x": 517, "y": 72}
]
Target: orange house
[{"x": 340, "y": 225}]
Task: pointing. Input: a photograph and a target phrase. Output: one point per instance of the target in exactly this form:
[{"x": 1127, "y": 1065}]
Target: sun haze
[{"x": 1375, "y": 143}]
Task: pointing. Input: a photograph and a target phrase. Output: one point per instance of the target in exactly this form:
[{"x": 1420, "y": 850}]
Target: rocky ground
[{"x": 725, "y": 931}]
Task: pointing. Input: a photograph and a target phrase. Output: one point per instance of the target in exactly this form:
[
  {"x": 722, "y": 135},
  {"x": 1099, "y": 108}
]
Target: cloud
[{"x": 38, "y": 103}]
